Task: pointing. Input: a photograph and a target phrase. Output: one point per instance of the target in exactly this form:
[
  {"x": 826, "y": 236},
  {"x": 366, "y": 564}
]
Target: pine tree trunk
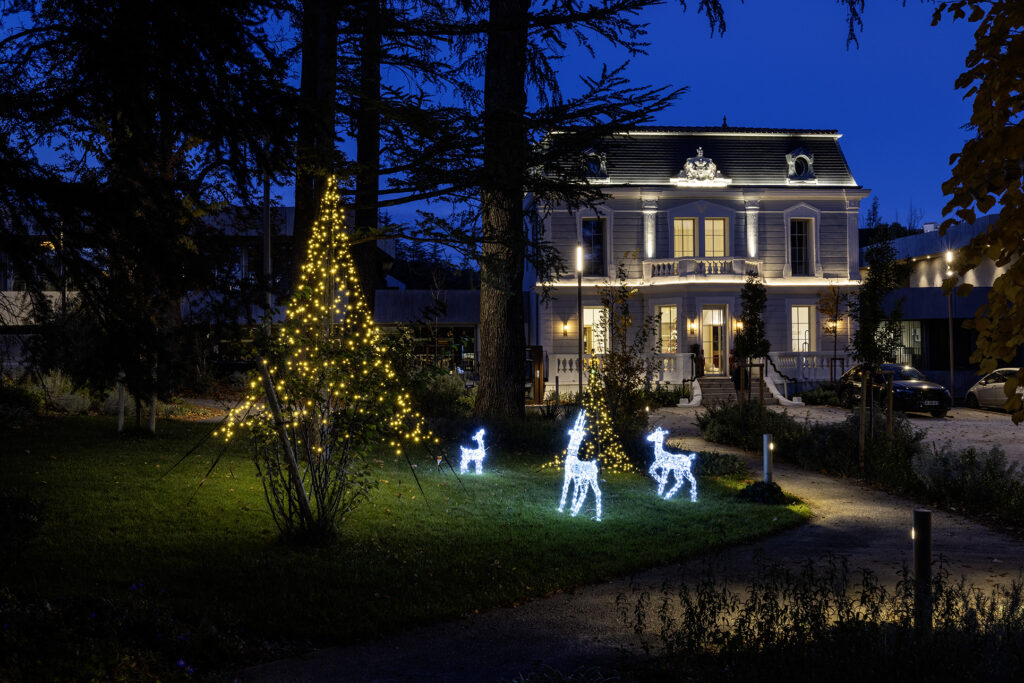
[
  {"x": 365, "y": 254},
  {"x": 315, "y": 132},
  {"x": 503, "y": 345}
]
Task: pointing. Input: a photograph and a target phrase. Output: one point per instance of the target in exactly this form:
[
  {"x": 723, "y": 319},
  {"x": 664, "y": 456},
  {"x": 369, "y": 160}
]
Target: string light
[
  {"x": 666, "y": 463},
  {"x": 335, "y": 375},
  {"x": 582, "y": 475},
  {"x": 473, "y": 455},
  {"x": 603, "y": 443}
]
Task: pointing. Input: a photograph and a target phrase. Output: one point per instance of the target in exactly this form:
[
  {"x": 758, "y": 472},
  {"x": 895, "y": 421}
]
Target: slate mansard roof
[{"x": 651, "y": 155}]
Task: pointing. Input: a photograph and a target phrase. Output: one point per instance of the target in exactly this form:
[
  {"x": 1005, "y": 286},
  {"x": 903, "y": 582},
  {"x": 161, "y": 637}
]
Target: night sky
[{"x": 784, "y": 64}]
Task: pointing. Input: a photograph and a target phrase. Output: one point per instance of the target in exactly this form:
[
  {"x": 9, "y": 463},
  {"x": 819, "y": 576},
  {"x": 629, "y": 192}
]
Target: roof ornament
[{"x": 700, "y": 171}]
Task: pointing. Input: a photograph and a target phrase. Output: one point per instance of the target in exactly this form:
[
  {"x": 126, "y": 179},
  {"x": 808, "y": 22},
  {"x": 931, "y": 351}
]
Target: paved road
[{"x": 581, "y": 628}]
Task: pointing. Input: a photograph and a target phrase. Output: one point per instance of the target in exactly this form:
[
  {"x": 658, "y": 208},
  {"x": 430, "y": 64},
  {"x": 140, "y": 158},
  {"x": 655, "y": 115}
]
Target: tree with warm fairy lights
[
  {"x": 331, "y": 395},
  {"x": 603, "y": 442}
]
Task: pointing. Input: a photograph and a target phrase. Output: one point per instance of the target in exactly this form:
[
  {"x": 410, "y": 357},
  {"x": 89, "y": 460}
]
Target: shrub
[
  {"x": 825, "y": 394},
  {"x": 980, "y": 483},
  {"x": 440, "y": 394},
  {"x": 823, "y": 621},
  {"x": 18, "y": 402},
  {"x": 834, "y": 448},
  {"x": 767, "y": 492},
  {"x": 742, "y": 425},
  {"x": 57, "y": 392},
  {"x": 663, "y": 394}
]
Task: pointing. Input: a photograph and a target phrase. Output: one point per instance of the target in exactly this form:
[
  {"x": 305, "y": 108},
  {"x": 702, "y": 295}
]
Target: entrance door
[{"x": 713, "y": 340}]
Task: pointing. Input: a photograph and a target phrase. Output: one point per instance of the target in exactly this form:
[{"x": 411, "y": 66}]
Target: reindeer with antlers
[
  {"x": 473, "y": 455},
  {"x": 582, "y": 474},
  {"x": 666, "y": 463}
]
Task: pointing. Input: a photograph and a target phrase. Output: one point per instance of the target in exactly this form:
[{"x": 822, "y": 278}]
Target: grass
[{"x": 125, "y": 536}]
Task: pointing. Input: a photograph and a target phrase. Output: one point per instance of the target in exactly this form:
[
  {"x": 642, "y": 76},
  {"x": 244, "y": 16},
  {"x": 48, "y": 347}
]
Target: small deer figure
[
  {"x": 666, "y": 463},
  {"x": 473, "y": 455},
  {"x": 582, "y": 474}
]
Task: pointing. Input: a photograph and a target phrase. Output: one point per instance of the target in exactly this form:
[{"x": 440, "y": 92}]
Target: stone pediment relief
[{"x": 700, "y": 171}]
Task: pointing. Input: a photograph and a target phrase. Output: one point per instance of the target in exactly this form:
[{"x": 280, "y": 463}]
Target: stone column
[{"x": 650, "y": 207}]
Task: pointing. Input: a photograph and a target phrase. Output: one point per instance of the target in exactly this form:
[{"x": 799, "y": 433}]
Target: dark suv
[{"x": 911, "y": 390}]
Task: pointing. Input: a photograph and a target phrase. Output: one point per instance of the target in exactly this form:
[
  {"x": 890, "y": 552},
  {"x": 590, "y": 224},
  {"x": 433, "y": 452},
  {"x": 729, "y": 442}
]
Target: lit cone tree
[
  {"x": 331, "y": 400},
  {"x": 601, "y": 442}
]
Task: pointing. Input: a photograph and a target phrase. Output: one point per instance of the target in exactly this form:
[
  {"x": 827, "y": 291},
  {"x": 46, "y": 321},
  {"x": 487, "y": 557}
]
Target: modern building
[
  {"x": 692, "y": 211},
  {"x": 933, "y": 320}
]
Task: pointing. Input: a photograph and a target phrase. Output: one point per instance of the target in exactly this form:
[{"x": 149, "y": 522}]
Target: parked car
[
  {"x": 988, "y": 392},
  {"x": 911, "y": 390}
]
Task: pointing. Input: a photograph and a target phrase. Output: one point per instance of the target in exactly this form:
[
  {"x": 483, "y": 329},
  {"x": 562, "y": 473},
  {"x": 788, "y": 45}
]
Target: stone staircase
[{"x": 720, "y": 390}]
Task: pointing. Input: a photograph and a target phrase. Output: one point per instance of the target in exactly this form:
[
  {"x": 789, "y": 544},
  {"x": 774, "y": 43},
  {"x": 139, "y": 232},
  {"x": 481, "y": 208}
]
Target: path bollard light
[
  {"x": 922, "y": 536},
  {"x": 767, "y": 446}
]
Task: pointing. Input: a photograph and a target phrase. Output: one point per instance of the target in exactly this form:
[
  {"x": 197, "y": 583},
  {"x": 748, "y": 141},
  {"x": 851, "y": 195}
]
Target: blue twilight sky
[{"x": 784, "y": 64}]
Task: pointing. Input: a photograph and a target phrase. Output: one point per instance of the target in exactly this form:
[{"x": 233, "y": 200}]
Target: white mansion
[{"x": 691, "y": 212}]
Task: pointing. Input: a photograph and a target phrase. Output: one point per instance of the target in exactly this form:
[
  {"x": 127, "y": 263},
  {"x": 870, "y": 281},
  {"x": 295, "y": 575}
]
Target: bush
[
  {"x": 980, "y": 483},
  {"x": 834, "y": 448},
  {"x": 440, "y": 394},
  {"x": 18, "y": 403},
  {"x": 663, "y": 395},
  {"x": 824, "y": 622},
  {"x": 767, "y": 492},
  {"x": 742, "y": 425},
  {"x": 57, "y": 392},
  {"x": 825, "y": 394}
]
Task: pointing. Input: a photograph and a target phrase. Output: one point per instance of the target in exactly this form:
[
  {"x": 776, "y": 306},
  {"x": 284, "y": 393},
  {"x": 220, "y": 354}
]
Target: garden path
[{"x": 581, "y": 628}]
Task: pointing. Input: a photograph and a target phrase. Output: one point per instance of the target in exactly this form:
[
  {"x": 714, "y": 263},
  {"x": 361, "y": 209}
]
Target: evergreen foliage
[
  {"x": 331, "y": 394},
  {"x": 751, "y": 342}
]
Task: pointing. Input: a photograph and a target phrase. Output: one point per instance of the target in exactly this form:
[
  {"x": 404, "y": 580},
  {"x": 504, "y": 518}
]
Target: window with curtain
[
  {"x": 800, "y": 325},
  {"x": 667, "y": 328},
  {"x": 714, "y": 236},
  {"x": 593, "y": 330},
  {"x": 684, "y": 232}
]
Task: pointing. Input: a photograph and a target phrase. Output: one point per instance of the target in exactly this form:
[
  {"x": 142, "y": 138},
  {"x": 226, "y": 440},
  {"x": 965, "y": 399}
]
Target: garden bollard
[
  {"x": 766, "y": 447},
  {"x": 922, "y": 534}
]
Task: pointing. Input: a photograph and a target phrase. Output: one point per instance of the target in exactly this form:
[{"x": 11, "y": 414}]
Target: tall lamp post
[
  {"x": 579, "y": 312},
  {"x": 949, "y": 308}
]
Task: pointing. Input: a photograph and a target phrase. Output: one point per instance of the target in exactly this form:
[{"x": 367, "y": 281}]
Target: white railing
[
  {"x": 809, "y": 366},
  {"x": 674, "y": 368},
  {"x": 708, "y": 266}
]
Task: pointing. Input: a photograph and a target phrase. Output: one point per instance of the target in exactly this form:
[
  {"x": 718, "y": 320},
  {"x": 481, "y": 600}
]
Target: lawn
[{"x": 139, "y": 569}]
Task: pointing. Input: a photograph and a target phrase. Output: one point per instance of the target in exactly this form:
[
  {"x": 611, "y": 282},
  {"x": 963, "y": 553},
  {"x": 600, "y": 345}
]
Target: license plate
[{"x": 930, "y": 403}]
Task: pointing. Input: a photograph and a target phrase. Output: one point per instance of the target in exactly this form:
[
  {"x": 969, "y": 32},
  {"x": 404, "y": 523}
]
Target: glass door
[{"x": 713, "y": 339}]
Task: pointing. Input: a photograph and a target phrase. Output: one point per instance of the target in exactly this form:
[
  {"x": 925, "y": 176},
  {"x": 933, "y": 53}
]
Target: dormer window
[
  {"x": 800, "y": 167},
  {"x": 596, "y": 166}
]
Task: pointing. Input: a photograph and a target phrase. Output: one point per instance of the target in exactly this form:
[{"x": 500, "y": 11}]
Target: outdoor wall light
[
  {"x": 565, "y": 328},
  {"x": 739, "y": 326},
  {"x": 691, "y": 326},
  {"x": 949, "y": 263}
]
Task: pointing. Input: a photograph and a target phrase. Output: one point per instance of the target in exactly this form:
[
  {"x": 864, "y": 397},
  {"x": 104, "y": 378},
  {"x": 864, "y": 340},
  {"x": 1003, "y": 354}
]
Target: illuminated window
[
  {"x": 593, "y": 330},
  {"x": 799, "y": 241},
  {"x": 592, "y": 238},
  {"x": 800, "y": 326},
  {"x": 684, "y": 231},
  {"x": 667, "y": 327},
  {"x": 714, "y": 236}
]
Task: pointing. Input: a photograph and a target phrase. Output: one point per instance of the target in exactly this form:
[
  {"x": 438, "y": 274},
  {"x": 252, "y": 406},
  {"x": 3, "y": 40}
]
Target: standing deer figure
[
  {"x": 666, "y": 463},
  {"x": 582, "y": 474},
  {"x": 473, "y": 455}
]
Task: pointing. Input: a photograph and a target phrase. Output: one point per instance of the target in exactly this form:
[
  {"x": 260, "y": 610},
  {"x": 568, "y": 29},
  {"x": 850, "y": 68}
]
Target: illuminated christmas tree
[
  {"x": 601, "y": 442},
  {"x": 331, "y": 396}
]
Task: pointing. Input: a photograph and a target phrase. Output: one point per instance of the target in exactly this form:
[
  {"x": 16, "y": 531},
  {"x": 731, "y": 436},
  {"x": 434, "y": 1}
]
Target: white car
[{"x": 988, "y": 392}]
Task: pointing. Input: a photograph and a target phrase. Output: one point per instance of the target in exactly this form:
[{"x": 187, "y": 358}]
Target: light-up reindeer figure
[
  {"x": 473, "y": 455},
  {"x": 582, "y": 474},
  {"x": 666, "y": 463}
]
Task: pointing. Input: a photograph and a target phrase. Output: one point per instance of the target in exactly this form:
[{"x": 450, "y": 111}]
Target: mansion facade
[{"x": 692, "y": 211}]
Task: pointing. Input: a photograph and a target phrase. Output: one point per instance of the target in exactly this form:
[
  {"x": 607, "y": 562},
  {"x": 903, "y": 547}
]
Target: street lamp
[
  {"x": 949, "y": 307},
  {"x": 579, "y": 311}
]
